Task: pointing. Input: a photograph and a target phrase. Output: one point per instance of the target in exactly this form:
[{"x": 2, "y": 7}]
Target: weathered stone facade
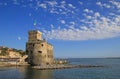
[{"x": 38, "y": 50}]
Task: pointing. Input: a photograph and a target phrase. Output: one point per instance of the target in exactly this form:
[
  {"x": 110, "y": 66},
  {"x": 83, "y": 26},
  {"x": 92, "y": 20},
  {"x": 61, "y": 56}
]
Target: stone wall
[
  {"x": 34, "y": 35},
  {"x": 50, "y": 57},
  {"x": 38, "y": 50}
]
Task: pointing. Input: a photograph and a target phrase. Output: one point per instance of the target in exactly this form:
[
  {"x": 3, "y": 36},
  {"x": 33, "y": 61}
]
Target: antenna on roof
[{"x": 35, "y": 25}]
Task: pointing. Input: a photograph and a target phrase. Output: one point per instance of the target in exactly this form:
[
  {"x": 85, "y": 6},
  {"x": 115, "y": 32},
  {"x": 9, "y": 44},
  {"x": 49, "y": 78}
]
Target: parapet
[{"x": 34, "y": 35}]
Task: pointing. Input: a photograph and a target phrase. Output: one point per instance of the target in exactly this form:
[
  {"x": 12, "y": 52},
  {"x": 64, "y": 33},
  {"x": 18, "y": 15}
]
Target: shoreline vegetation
[{"x": 6, "y": 52}]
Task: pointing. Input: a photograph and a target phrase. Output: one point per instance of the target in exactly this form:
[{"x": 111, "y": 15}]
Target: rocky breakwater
[{"x": 51, "y": 67}]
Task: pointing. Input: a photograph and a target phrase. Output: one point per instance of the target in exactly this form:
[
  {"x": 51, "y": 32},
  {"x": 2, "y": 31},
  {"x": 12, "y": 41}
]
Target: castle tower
[
  {"x": 34, "y": 35},
  {"x": 38, "y": 50}
]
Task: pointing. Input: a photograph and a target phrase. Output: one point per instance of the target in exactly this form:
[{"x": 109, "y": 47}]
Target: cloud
[
  {"x": 63, "y": 2},
  {"x": 116, "y": 3},
  {"x": 88, "y": 17},
  {"x": 88, "y": 11},
  {"x": 81, "y": 3},
  {"x": 52, "y": 26},
  {"x": 19, "y": 38},
  {"x": 97, "y": 14},
  {"x": 72, "y": 23},
  {"x": 71, "y": 6},
  {"x": 103, "y": 5},
  {"x": 93, "y": 25},
  {"x": 107, "y": 6},
  {"x": 96, "y": 28},
  {"x": 15, "y": 2},
  {"x": 41, "y": 5},
  {"x": 51, "y": 3},
  {"x": 62, "y": 21},
  {"x": 99, "y": 3}
]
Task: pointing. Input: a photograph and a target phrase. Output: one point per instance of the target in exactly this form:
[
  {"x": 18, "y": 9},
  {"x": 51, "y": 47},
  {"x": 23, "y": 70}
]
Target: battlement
[
  {"x": 34, "y": 31},
  {"x": 34, "y": 35}
]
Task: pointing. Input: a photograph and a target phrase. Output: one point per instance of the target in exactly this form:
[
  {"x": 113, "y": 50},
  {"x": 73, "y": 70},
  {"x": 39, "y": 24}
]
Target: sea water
[{"x": 110, "y": 71}]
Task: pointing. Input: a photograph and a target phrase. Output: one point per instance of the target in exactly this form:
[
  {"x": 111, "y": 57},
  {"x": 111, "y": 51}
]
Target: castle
[{"x": 38, "y": 50}]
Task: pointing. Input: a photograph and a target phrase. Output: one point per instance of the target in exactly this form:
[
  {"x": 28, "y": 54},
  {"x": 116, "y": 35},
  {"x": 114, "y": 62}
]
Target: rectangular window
[{"x": 39, "y": 51}]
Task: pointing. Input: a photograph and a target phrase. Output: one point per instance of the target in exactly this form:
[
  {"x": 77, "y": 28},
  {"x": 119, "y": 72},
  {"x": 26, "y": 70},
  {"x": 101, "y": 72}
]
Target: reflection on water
[
  {"x": 24, "y": 73},
  {"x": 38, "y": 74},
  {"x": 10, "y": 73}
]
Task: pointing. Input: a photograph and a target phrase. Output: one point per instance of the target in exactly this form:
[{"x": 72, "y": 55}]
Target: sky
[{"x": 76, "y": 28}]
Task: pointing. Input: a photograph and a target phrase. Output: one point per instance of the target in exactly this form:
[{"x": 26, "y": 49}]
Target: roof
[{"x": 35, "y": 31}]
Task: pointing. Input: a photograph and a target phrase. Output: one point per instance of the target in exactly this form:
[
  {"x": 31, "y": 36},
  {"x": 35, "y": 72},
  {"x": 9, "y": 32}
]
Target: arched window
[{"x": 42, "y": 45}]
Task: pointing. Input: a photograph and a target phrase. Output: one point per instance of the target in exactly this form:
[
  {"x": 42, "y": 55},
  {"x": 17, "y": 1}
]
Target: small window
[
  {"x": 42, "y": 45},
  {"x": 33, "y": 45},
  {"x": 26, "y": 51},
  {"x": 47, "y": 63},
  {"x": 39, "y": 51}
]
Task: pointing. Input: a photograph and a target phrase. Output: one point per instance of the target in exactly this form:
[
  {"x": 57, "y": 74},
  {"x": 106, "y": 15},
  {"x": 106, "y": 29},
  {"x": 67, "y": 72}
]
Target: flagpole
[{"x": 35, "y": 25}]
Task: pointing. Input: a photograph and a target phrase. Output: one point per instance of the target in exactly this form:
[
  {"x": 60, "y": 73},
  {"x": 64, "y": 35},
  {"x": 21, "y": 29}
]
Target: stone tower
[{"x": 39, "y": 51}]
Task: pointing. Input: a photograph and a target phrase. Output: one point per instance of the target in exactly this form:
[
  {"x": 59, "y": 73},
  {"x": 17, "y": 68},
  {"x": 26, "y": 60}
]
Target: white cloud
[
  {"x": 116, "y": 4},
  {"x": 52, "y": 3},
  {"x": 88, "y": 11},
  {"x": 19, "y": 38},
  {"x": 111, "y": 14},
  {"x": 107, "y": 6},
  {"x": 84, "y": 28},
  {"x": 99, "y": 3},
  {"x": 62, "y": 21},
  {"x": 63, "y": 2},
  {"x": 97, "y": 28},
  {"x": 54, "y": 11},
  {"x": 55, "y": 7},
  {"x": 89, "y": 17},
  {"x": 41, "y": 5},
  {"x": 16, "y": 2},
  {"x": 97, "y": 14},
  {"x": 81, "y": 3},
  {"x": 103, "y": 5},
  {"x": 72, "y": 23},
  {"x": 93, "y": 26},
  {"x": 52, "y": 26},
  {"x": 70, "y": 5}
]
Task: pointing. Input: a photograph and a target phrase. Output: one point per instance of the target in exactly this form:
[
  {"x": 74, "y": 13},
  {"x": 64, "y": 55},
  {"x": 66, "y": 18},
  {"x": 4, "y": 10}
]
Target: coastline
[{"x": 7, "y": 64}]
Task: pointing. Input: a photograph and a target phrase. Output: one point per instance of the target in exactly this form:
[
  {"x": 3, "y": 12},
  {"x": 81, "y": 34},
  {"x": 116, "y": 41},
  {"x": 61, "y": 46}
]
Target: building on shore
[{"x": 38, "y": 50}]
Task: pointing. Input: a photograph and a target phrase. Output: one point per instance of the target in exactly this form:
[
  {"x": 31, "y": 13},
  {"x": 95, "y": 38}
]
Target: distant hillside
[
  {"x": 113, "y": 57},
  {"x": 11, "y": 52}
]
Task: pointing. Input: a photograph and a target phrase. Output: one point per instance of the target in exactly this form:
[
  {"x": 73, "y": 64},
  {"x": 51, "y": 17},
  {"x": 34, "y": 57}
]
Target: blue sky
[{"x": 76, "y": 28}]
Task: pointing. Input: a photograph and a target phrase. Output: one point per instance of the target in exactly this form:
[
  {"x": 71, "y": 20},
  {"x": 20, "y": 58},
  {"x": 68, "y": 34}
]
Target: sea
[{"x": 110, "y": 71}]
